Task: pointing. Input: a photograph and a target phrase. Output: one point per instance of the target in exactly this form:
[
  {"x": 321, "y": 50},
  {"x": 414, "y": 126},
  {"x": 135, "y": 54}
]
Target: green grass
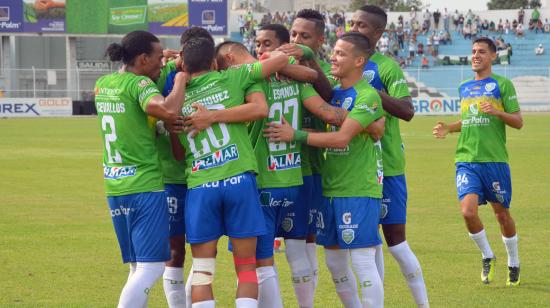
[{"x": 58, "y": 248}]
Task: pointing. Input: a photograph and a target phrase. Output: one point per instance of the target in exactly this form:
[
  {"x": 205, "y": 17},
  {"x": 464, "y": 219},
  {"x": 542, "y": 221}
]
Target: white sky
[{"x": 461, "y": 5}]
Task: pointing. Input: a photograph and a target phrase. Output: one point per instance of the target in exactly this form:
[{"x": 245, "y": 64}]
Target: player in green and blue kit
[
  {"x": 222, "y": 196},
  {"x": 352, "y": 176},
  {"x": 133, "y": 179},
  {"x": 385, "y": 75},
  {"x": 488, "y": 103}
]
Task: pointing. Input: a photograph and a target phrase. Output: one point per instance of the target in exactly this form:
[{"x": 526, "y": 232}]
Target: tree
[
  {"x": 512, "y": 4},
  {"x": 390, "y": 5}
]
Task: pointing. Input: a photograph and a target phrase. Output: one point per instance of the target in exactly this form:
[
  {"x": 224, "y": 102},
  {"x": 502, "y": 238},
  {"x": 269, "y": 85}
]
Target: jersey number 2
[{"x": 112, "y": 154}]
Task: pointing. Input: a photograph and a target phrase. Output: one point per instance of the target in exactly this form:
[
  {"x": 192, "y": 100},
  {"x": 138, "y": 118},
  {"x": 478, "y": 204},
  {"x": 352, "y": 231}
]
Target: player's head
[
  {"x": 270, "y": 37},
  {"x": 308, "y": 29},
  {"x": 195, "y": 32},
  {"x": 484, "y": 52},
  {"x": 350, "y": 54},
  {"x": 370, "y": 20},
  {"x": 198, "y": 55},
  {"x": 231, "y": 53},
  {"x": 140, "y": 50}
]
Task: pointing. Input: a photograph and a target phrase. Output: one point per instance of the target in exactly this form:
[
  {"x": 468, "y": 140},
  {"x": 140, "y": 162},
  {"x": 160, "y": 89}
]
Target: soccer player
[
  {"x": 385, "y": 75},
  {"x": 488, "y": 103},
  {"x": 351, "y": 175},
  {"x": 222, "y": 194},
  {"x": 133, "y": 179}
]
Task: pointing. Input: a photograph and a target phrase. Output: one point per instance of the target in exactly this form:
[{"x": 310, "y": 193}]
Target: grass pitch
[{"x": 58, "y": 248}]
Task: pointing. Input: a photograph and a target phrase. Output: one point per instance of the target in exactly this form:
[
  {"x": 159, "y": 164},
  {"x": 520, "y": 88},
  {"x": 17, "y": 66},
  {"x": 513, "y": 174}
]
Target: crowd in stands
[{"x": 416, "y": 34}]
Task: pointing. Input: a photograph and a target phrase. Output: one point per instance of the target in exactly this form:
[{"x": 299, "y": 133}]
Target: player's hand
[
  {"x": 376, "y": 129},
  {"x": 199, "y": 120},
  {"x": 440, "y": 130},
  {"x": 292, "y": 50},
  {"x": 182, "y": 77},
  {"x": 488, "y": 108},
  {"x": 169, "y": 54},
  {"x": 279, "y": 132},
  {"x": 175, "y": 126}
]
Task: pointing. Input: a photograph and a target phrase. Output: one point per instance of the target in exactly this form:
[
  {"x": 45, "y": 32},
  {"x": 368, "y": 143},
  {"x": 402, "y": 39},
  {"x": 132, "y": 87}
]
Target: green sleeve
[
  {"x": 508, "y": 96},
  {"x": 257, "y": 87},
  {"x": 394, "y": 80},
  {"x": 308, "y": 53},
  {"x": 144, "y": 89},
  {"x": 367, "y": 109},
  {"x": 245, "y": 75},
  {"x": 164, "y": 72},
  {"x": 307, "y": 91}
]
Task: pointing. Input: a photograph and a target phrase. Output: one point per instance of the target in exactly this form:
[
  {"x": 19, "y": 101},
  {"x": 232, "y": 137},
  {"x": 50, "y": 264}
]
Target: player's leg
[
  {"x": 470, "y": 194},
  {"x": 244, "y": 221},
  {"x": 393, "y": 220},
  {"x": 173, "y": 281},
  {"x": 203, "y": 201},
  {"x": 358, "y": 232},
  {"x": 147, "y": 219},
  {"x": 294, "y": 228},
  {"x": 315, "y": 202},
  {"x": 337, "y": 259}
]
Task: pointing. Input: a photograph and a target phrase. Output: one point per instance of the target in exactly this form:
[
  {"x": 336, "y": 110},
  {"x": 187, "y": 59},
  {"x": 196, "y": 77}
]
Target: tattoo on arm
[{"x": 339, "y": 113}]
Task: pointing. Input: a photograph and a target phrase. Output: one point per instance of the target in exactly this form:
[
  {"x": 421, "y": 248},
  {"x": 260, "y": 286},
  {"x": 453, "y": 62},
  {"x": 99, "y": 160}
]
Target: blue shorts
[
  {"x": 315, "y": 200},
  {"x": 141, "y": 226},
  {"x": 394, "y": 201},
  {"x": 175, "y": 194},
  {"x": 226, "y": 207},
  {"x": 349, "y": 222},
  {"x": 281, "y": 218},
  {"x": 490, "y": 181}
]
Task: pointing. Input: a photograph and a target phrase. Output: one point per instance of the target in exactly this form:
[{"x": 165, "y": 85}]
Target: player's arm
[
  {"x": 299, "y": 73},
  {"x": 298, "y": 51},
  {"x": 322, "y": 84},
  {"x": 397, "y": 100},
  {"x": 168, "y": 109},
  {"x": 271, "y": 63},
  {"x": 441, "y": 129},
  {"x": 513, "y": 119},
  {"x": 327, "y": 113},
  {"x": 398, "y": 107},
  {"x": 177, "y": 149},
  {"x": 377, "y": 128},
  {"x": 283, "y": 132}
]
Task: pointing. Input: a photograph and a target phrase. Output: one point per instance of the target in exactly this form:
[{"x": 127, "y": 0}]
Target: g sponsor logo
[
  {"x": 496, "y": 186},
  {"x": 346, "y": 218}
]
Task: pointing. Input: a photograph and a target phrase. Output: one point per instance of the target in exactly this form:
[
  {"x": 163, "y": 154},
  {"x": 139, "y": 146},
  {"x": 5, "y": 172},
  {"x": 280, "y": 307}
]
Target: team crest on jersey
[
  {"x": 490, "y": 86},
  {"x": 284, "y": 161},
  {"x": 348, "y": 235},
  {"x": 216, "y": 159},
  {"x": 287, "y": 224},
  {"x": 346, "y": 218},
  {"x": 474, "y": 109},
  {"x": 113, "y": 173},
  {"x": 348, "y": 102},
  {"x": 143, "y": 83},
  {"x": 369, "y": 75}
]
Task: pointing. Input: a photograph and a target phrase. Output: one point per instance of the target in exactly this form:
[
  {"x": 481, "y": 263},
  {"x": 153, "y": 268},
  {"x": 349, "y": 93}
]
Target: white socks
[
  {"x": 412, "y": 271},
  {"x": 204, "y": 304},
  {"x": 362, "y": 260},
  {"x": 483, "y": 244},
  {"x": 269, "y": 294},
  {"x": 174, "y": 287},
  {"x": 511, "y": 244},
  {"x": 302, "y": 276},
  {"x": 188, "y": 301},
  {"x": 311, "y": 250},
  {"x": 136, "y": 290},
  {"x": 379, "y": 259},
  {"x": 133, "y": 267},
  {"x": 245, "y": 302},
  {"x": 342, "y": 276}
]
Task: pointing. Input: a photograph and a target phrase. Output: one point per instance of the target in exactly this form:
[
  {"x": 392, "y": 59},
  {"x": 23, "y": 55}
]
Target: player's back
[
  {"x": 483, "y": 136},
  {"x": 130, "y": 158}
]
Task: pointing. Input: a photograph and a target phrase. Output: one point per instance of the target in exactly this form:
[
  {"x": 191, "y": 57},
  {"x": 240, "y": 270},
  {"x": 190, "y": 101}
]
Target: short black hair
[
  {"x": 359, "y": 41},
  {"x": 280, "y": 32},
  {"x": 198, "y": 54},
  {"x": 228, "y": 44},
  {"x": 314, "y": 16},
  {"x": 195, "y": 32},
  {"x": 487, "y": 41},
  {"x": 132, "y": 45},
  {"x": 379, "y": 12}
]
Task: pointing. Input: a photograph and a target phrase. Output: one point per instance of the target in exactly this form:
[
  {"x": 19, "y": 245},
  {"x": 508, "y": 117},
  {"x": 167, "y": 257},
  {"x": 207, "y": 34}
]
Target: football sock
[
  {"x": 269, "y": 294},
  {"x": 174, "y": 287},
  {"x": 188, "y": 301},
  {"x": 204, "y": 304},
  {"x": 411, "y": 270},
  {"x": 133, "y": 266},
  {"x": 342, "y": 276},
  {"x": 136, "y": 290},
  {"x": 302, "y": 277},
  {"x": 511, "y": 244},
  {"x": 244, "y": 302},
  {"x": 364, "y": 265},
  {"x": 311, "y": 250},
  {"x": 379, "y": 258},
  {"x": 483, "y": 244}
]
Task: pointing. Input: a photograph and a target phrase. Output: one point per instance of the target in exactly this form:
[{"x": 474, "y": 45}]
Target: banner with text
[
  {"x": 429, "y": 105},
  {"x": 36, "y": 107}
]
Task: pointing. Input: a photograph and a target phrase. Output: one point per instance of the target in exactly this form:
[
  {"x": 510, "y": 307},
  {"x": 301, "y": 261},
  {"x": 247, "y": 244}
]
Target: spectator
[
  {"x": 400, "y": 37},
  {"x": 539, "y": 50},
  {"x": 402, "y": 62},
  {"x": 519, "y": 31},
  {"x": 546, "y": 25},
  {"x": 420, "y": 50},
  {"x": 412, "y": 49},
  {"x": 241, "y": 25},
  {"x": 515, "y": 25},
  {"x": 437, "y": 16},
  {"x": 425, "y": 62},
  {"x": 485, "y": 25},
  {"x": 456, "y": 18},
  {"x": 507, "y": 27},
  {"x": 467, "y": 30},
  {"x": 395, "y": 48},
  {"x": 492, "y": 26},
  {"x": 446, "y": 20},
  {"x": 539, "y": 26},
  {"x": 447, "y": 38},
  {"x": 384, "y": 44},
  {"x": 521, "y": 14},
  {"x": 429, "y": 43},
  {"x": 460, "y": 23},
  {"x": 427, "y": 17},
  {"x": 535, "y": 16},
  {"x": 412, "y": 15},
  {"x": 436, "y": 38}
]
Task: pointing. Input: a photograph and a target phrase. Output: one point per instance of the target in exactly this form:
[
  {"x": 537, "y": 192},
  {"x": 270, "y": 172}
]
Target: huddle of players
[{"x": 335, "y": 198}]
